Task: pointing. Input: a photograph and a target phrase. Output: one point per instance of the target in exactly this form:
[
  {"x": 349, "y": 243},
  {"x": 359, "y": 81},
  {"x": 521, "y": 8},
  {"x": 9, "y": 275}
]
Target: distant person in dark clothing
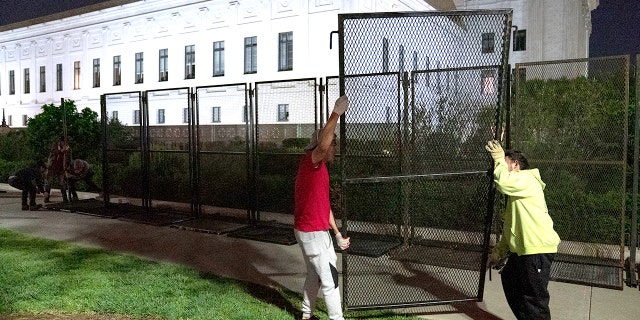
[
  {"x": 59, "y": 158},
  {"x": 30, "y": 181},
  {"x": 80, "y": 170}
]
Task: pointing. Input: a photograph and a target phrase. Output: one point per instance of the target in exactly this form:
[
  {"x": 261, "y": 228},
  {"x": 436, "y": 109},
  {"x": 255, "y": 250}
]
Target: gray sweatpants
[{"x": 320, "y": 258}]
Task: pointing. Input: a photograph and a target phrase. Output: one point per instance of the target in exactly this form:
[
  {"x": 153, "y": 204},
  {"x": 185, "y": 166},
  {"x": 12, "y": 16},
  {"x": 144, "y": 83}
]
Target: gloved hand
[
  {"x": 341, "y": 105},
  {"x": 343, "y": 243},
  {"x": 495, "y": 149},
  {"x": 496, "y": 259}
]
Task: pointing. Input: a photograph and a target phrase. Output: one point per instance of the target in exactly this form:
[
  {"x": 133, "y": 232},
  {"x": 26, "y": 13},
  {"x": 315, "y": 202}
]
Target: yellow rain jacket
[{"x": 528, "y": 228}]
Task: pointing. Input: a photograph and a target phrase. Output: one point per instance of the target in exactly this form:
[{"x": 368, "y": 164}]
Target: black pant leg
[
  {"x": 525, "y": 285},
  {"x": 510, "y": 277},
  {"x": 536, "y": 293}
]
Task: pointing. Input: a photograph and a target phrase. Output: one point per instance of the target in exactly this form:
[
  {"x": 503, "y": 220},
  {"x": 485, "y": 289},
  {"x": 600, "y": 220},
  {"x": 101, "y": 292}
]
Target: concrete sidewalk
[{"x": 279, "y": 265}]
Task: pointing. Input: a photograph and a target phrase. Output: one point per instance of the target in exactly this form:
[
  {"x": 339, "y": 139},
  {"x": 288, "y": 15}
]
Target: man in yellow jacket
[{"x": 528, "y": 238}]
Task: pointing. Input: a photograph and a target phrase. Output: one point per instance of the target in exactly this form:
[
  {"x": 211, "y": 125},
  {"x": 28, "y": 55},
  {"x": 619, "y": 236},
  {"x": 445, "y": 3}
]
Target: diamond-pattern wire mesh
[
  {"x": 222, "y": 139},
  {"x": 123, "y": 145},
  {"x": 414, "y": 164},
  {"x": 570, "y": 119},
  {"x": 169, "y": 146},
  {"x": 286, "y": 116}
]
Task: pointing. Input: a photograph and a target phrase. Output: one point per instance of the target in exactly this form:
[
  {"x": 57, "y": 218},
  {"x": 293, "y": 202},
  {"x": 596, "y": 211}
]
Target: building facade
[{"x": 126, "y": 46}]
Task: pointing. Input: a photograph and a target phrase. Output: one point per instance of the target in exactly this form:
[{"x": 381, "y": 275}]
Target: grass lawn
[{"x": 51, "y": 280}]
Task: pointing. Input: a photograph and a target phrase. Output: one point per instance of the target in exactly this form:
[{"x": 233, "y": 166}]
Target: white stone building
[{"x": 128, "y": 46}]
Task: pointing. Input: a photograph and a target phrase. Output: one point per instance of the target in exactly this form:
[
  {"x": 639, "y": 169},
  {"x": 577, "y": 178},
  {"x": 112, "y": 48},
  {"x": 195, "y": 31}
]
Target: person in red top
[
  {"x": 59, "y": 159},
  {"x": 313, "y": 218}
]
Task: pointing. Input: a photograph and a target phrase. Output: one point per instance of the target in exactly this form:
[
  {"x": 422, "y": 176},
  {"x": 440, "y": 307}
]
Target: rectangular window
[
  {"x": 12, "y": 82},
  {"x": 163, "y": 59},
  {"x": 520, "y": 40},
  {"x": 96, "y": 73},
  {"x": 27, "y": 81},
  {"x": 25, "y": 119},
  {"x": 114, "y": 115},
  {"x": 117, "y": 71},
  {"x": 283, "y": 112},
  {"x": 488, "y": 42},
  {"x": 136, "y": 116},
  {"x": 190, "y": 62},
  {"x": 215, "y": 114},
  {"x": 76, "y": 75},
  {"x": 139, "y": 67},
  {"x": 160, "y": 115},
  {"x": 43, "y": 79},
  {"x": 59, "y": 77},
  {"x": 185, "y": 115},
  {"x": 488, "y": 82},
  {"x": 250, "y": 55},
  {"x": 285, "y": 51},
  {"x": 218, "y": 58}
]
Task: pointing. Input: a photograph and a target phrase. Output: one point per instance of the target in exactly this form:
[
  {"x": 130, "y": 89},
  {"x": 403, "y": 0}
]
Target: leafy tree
[{"x": 82, "y": 130}]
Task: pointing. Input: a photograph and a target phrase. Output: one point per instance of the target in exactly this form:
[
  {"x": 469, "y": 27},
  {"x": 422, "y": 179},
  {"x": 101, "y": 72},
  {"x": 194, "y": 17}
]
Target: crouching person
[
  {"x": 30, "y": 181},
  {"x": 80, "y": 170}
]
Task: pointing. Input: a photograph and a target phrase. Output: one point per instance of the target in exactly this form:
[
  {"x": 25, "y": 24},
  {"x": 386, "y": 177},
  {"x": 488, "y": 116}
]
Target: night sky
[{"x": 616, "y": 23}]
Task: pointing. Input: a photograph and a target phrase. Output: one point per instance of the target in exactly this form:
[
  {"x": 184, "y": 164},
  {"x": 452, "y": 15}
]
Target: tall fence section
[
  {"x": 412, "y": 183},
  {"x": 571, "y": 119},
  {"x": 418, "y": 201}
]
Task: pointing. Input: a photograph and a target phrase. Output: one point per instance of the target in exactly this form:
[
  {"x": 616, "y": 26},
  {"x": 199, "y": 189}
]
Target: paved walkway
[{"x": 279, "y": 265}]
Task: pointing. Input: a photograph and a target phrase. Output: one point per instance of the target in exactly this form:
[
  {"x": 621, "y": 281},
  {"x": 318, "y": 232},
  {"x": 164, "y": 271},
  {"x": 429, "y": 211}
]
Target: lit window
[
  {"x": 218, "y": 58},
  {"x": 43, "y": 79},
  {"x": 27, "y": 81},
  {"x": 283, "y": 112},
  {"x": 250, "y": 55},
  {"x": 185, "y": 115},
  {"x": 520, "y": 40},
  {"x": 215, "y": 114},
  {"x": 190, "y": 62},
  {"x": 12, "y": 82},
  {"x": 139, "y": 67},
  {"x": 59, "y": 77},
  {"x": 488, "y": 42},
  {"x": 160, "y": 115},
  {"x": 96, "y": 73},
  {"x": 76, "y": 75},
  {"x": 164, "y": 64},
  {"x": 285, "y": 51},
  {"x": 136, "y": 116},
  {"x": 117, "y": 72}
]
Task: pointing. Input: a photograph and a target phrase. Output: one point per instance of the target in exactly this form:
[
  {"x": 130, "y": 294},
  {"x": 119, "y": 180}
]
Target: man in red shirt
[{"x": 313, "y": 218}]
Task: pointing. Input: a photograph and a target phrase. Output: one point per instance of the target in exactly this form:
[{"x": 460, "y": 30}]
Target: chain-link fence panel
[
  {"x": 170, "y": 142},
  {"x": 286, "y": 115},
  {"x": 123, "y": 144},
  {"x": 570, "y": 118},
  {"x": 426, "y": 90},
  {"x": 223, "y": 156}
]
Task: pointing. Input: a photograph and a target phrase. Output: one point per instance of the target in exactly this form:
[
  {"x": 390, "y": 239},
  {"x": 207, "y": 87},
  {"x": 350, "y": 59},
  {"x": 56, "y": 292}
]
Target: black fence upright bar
[
  {"x": 146, "y": 152},
  {"x": 103, "y": 149},
  {"x": 194, "y": 143},
  {"x": 633, "y": 234},
  {"x": 252, "y": 149}
]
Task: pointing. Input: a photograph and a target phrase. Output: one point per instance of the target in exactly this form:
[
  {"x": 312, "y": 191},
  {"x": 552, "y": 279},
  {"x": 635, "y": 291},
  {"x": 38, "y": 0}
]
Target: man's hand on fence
[
  {"x": 495, "y": 149},
  {"x": 341, "y": 105}
]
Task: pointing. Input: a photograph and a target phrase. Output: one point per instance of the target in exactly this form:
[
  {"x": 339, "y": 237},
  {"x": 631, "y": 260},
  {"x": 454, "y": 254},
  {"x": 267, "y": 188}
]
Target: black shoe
[
  {"x": 35, "y": 207},
  {"x": 25, "y": 207}
]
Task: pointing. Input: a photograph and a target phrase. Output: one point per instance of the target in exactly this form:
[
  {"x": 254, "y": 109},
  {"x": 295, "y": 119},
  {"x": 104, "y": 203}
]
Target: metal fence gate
[
  {"x": 570, "y": 118},
  {"x": 426, "y": 90}
]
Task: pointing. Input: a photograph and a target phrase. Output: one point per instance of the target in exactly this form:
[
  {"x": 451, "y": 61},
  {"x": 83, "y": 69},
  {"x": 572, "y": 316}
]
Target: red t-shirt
[{"x": 311, "y": 196}]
